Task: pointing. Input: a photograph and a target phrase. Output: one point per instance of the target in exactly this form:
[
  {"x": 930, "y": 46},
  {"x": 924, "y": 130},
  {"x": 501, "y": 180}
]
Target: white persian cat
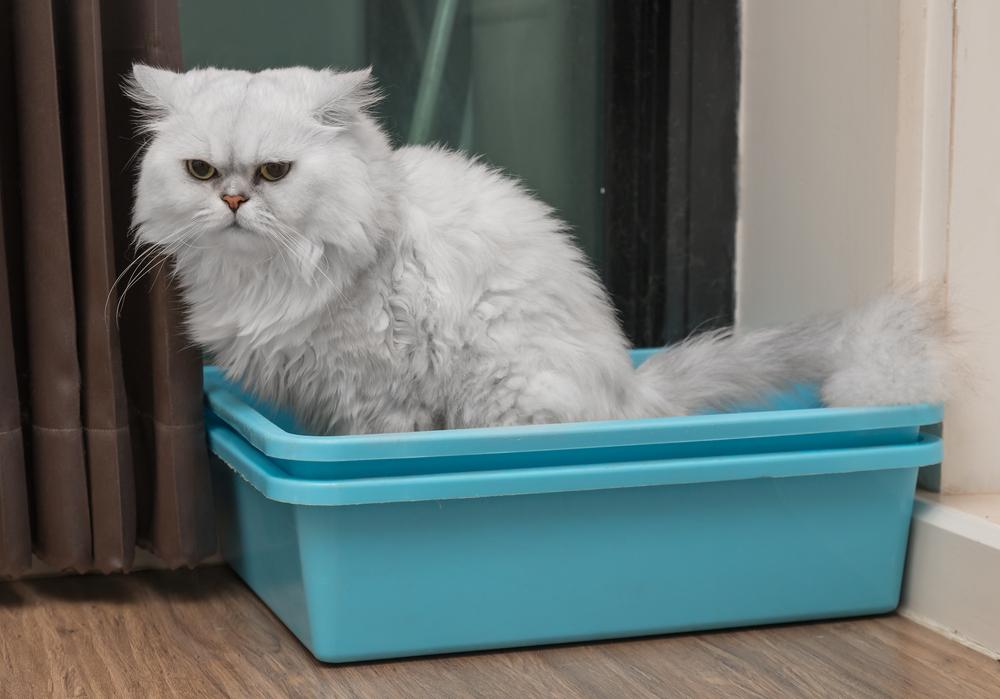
[{"x": 372, "y": 289}]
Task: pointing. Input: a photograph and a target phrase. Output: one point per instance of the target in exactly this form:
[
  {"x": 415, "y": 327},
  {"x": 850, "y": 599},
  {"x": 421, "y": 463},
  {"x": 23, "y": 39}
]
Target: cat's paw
[{"x": 896, "y": 351}]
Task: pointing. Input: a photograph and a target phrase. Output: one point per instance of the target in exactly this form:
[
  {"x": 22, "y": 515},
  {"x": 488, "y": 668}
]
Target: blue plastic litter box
[{"x": 383, "y": 546}]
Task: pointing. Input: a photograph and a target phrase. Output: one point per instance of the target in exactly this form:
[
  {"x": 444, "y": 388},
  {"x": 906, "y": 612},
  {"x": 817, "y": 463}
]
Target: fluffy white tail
[{"x": 893, "y": 351}]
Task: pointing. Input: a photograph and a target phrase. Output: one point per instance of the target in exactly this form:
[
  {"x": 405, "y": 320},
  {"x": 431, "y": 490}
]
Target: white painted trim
[
  {"x": 958, "y": 521},
  {"x": 953, "y": 574},
  {"x": 947, "y": 632},
  {"x": 971, "y": 456},
  {"x": 923, "y": 140}
]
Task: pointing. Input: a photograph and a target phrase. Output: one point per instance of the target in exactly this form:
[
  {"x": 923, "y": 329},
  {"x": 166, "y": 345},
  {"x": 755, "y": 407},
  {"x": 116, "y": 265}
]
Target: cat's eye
[
  {"x": 272, "y": 172},
  {"x": 199, "y": 169}
]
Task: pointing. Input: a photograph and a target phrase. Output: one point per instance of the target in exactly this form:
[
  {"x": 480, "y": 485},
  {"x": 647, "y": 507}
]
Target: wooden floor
[{"x": 203, "y": 633}]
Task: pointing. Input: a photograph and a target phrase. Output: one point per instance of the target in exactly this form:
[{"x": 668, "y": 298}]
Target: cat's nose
[{"x": 233, "y": 200}]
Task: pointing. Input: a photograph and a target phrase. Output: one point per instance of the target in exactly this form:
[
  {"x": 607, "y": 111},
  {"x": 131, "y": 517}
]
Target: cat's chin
[
  {"x": 242, "y": 239},
  {"x": 242, "y": 230},
  {"x": 239, "y": 229}
]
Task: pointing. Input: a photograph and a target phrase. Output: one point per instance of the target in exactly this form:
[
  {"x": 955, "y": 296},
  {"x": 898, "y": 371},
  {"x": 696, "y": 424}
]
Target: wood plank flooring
[{"x": 202, "y": 633}]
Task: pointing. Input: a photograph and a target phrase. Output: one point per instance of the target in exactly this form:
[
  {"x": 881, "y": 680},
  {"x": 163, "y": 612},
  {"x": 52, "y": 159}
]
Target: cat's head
[{"x": 250, "y": 166}]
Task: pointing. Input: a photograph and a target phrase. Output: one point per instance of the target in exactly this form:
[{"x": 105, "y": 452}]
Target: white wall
[
  {"x": 818, "y": 156},
  {"x": 870, "y": 152}
]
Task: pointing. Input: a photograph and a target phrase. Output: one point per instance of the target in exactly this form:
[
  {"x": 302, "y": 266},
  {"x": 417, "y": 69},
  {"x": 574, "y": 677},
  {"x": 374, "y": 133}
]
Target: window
[{"x": 600, "y": 106}]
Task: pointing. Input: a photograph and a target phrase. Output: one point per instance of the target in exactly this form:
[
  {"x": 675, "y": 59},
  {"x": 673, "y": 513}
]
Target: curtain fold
[
  {"x": 59, "y": 474},
  {"x": 101, "y": 435},
  {"x": 15, "y": 544},
  {"x": 104, "y": 410}
]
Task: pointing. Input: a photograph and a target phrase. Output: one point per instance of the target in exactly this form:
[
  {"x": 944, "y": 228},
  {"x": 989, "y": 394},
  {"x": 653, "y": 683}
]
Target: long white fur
[{"x": 376, "y": 289}]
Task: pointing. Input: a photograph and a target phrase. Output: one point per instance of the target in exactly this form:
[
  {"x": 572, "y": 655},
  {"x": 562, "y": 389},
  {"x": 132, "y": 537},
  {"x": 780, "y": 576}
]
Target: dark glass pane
[{"x": 518, "y": 82}]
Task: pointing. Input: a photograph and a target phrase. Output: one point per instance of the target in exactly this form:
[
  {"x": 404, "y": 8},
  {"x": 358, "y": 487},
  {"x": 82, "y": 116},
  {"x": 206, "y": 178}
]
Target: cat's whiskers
[
  {"x": 138, "y": 260},
  {"x": 285, "y": 238},
  {"x": 145, "y": 261},
  {"x": 282, "y": 243},
  {"x": 159, "y": 256},
  {"x": 291, "y": 233},
  {"x": 288, "y": 237}
]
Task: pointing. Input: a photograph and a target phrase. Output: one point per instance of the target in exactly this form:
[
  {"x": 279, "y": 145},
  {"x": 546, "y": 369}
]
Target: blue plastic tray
[
  {"x": 516, "y": 550},
  {"x": 798, "y": 423}
]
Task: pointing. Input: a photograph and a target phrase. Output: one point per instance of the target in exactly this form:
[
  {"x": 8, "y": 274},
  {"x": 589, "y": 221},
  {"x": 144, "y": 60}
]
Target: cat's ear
[
  {"x": 343, "y": 97},
  {"x": 152, "y": 90}
]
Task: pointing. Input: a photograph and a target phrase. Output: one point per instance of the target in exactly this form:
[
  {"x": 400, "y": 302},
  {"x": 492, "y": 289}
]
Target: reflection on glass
[{"x": 515, "y": 81}]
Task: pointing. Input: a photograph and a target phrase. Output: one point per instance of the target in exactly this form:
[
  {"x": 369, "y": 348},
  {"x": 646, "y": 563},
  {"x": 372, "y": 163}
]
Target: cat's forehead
[
  {"x": 232, "y": 90},
  {"x": 233, "y": 115}
]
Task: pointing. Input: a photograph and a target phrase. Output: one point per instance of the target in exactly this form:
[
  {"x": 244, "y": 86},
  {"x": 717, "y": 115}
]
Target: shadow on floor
[
  {"x": 82, "y": 588},
  {"x": 186, "y": 585},
  {"x": 9, "y": 596}
]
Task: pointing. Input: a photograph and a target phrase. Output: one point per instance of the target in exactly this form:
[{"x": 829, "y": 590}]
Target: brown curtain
[{"x": 101, "y": 439}]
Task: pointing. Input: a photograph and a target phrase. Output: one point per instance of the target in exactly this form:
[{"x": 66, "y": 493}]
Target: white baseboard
[{"x": 952, "y": 581}]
